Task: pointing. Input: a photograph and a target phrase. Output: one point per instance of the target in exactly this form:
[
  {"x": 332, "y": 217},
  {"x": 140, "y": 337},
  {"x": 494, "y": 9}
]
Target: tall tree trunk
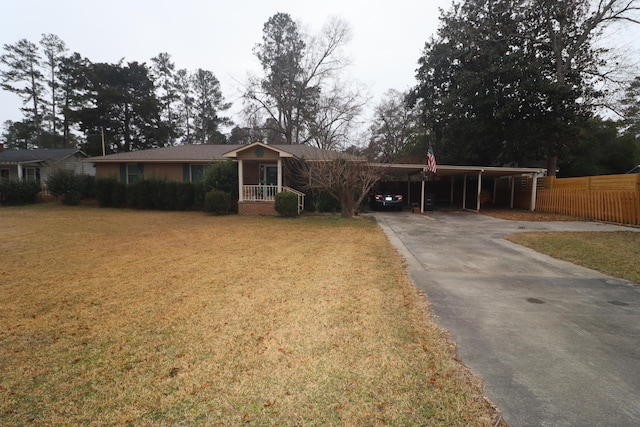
[{"x": 347, "y": 206}]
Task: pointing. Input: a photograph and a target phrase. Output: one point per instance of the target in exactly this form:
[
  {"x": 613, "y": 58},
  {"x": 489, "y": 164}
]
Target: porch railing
[
  {"x": 259, "y": 192},
  {"x": 300, "y": 197},
  {"x": 267, "y": 193}
]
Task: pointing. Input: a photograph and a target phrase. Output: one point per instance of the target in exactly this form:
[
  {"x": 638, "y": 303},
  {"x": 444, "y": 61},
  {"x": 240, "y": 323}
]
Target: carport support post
[
  {"x": 534, "y": 192},
  {"x": 513, "y": 189},
  {"x": 479, "y": 191},
  {"x": 422, "y": 195},
  {"x": 495, "y": 187},
  {"x": 464, "y": 193},
  {"x": 452, "y": 184}
]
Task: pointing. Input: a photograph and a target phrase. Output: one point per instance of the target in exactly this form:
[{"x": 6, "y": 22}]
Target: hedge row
[
  {"x": 150, "y": 194},
  {"x": 70, "y": 186},
  {"x": 13, "y": 192}
]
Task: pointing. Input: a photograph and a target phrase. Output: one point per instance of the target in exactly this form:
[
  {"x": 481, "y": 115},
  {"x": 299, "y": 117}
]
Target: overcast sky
[
  {"x": 219, "y": 36},
  {"x": 388, "y": 36}
]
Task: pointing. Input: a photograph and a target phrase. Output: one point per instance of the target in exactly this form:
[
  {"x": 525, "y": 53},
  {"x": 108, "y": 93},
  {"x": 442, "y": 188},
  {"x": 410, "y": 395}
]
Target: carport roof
[{"x": 449, "y": 170}]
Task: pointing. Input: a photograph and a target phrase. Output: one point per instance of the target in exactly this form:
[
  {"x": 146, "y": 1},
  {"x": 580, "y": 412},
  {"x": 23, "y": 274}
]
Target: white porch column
[
  {"x": 279, "y": 175},
  {"x": 534, "y": 191},
  {"x": 240, "y": 181},
  {"x": 19, "y": 172}
]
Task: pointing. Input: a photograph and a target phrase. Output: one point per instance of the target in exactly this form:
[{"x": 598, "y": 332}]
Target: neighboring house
[
  {"x": 261, "y": 168},
  {"x": 38, "y": 164}
]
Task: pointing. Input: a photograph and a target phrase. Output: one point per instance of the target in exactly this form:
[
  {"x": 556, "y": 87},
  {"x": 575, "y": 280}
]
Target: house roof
[
  {"x": 37, "y": 155},
  {"x": 211, "y": 152},
  {"x": 451, "y": 170}
]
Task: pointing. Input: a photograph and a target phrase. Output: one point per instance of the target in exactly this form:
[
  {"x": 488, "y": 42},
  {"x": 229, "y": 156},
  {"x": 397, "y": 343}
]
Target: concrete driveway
[{"x": 556, "y": 344}]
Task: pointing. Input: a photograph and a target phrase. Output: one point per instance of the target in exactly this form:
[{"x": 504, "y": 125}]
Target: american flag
[{"x": 431, "y": 160}]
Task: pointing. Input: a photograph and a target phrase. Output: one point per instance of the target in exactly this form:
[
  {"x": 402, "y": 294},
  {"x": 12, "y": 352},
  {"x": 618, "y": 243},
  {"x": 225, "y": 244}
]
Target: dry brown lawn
[{"x": 118, "y": 317}]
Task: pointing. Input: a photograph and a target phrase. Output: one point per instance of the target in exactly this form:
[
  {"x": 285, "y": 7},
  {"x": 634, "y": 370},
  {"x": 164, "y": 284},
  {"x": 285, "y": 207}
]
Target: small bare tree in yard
[{"x": 348, "y": 179}]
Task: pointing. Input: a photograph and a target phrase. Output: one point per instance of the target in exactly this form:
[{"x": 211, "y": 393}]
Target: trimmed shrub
[
  {"x": 323, "y": 202},
  {"x": 110, "y": 193},
  {"x": 13, "y": 192},
  {"x": 155, "y": 194},
  {"x": 222, "y": 176},
  {"x": 217, "y": 202},
  {"x": 170, "y": 196},
  {"x": 184, "y": 196},
  {"x": 199, "y": 194},
  {"x": 104, "y": 191},
  {"x": 119, "y": 194},
  {"x": 133, "y": 195},
  {"x": 88, "y": 186},
  {"x": 72, "y": 187},
  {"x": 287, "y": 204}
]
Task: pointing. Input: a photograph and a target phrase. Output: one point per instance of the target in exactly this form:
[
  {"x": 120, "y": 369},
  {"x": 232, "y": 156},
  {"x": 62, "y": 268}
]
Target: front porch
[
  {"x": 260, "y": 199},
  {"x": 261, "y": 177}
]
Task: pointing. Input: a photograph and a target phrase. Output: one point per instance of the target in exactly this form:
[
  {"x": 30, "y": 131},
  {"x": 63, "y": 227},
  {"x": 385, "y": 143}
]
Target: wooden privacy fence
[{"x": 612, "y": 198}]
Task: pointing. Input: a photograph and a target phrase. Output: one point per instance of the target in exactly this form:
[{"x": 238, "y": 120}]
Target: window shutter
[
  {"x": 123, "y": 172},
  {"x": 185, "y": 172},
  {"x": 141, "y": 170}
]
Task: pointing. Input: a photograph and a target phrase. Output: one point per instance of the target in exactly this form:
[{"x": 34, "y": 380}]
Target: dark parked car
[{"x": 386, "y": 199}]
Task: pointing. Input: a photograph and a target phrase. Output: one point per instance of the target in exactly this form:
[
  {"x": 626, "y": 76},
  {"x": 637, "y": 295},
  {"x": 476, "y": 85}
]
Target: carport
[{"x": 418, "y": 172}]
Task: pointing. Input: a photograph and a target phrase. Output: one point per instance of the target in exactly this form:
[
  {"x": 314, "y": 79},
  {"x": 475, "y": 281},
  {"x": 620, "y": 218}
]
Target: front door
[{"x": 269, "y": 174}]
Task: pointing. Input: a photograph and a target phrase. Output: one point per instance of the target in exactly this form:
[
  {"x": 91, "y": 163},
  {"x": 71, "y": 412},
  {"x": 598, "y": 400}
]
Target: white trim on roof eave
[
  {"x": 234, "y": 153},
  {"x": 99, "y": 160}
]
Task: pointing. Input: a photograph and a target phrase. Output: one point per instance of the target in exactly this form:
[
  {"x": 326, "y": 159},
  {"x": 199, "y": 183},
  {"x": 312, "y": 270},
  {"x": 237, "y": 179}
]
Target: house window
[
  {"x": 4, "y": 174},
  {"x": 197, "y": 172},
  {"x": 134, "y": 173},
  {"x": 31, "y": 174}
]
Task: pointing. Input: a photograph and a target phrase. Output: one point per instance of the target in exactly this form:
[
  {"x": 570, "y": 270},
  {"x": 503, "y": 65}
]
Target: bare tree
[
  {"x": 298, "y": 96},
  {"x": 394, "y": 126},
  {"x": 346, "y": 178},
  {"x": 335, "y": 115}
]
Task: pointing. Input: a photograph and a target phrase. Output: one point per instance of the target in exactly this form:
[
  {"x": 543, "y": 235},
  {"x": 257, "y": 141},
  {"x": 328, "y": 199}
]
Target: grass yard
[
  {"x": 613, "y": 253},
  {"x": 118, "y": 317}
]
